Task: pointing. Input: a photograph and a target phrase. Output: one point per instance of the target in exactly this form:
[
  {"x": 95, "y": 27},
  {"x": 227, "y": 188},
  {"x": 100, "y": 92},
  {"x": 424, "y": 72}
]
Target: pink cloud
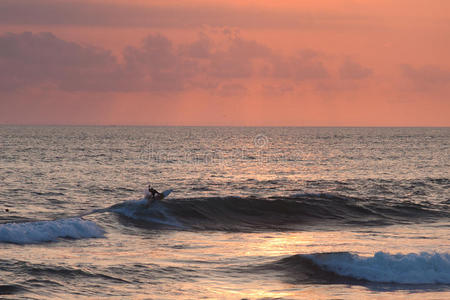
[
  {"x": 33, "y": 59},
  {"x": 427, "y": 77},
  {"x": 30, "y": 59},
  {"x": 353, "y": 70}
]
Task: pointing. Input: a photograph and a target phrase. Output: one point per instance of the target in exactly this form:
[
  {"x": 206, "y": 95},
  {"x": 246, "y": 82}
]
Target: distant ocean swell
[
  {"x": 53, "y": 279},
  {"x": 345, "y": 267},
  {"x": 26, "y": 276}
]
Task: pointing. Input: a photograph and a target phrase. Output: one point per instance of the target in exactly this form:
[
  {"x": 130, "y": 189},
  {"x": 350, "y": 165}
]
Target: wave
[
  {"x": 48, "y": 231},
  {"x": 50, "y": 278},
  {"x": 278, "y": 213},
  {"x": 9, "y": 289},
  {"x": 137, "y": 210},
  {"x": 344, "y": 267}
]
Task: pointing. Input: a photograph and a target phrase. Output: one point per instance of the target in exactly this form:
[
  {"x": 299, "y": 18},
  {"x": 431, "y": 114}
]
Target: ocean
[{"x": 254, "y": 213}]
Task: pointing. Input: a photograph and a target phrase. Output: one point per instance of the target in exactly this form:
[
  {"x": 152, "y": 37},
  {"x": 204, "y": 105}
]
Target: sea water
[{"x": 285, "y": 213}]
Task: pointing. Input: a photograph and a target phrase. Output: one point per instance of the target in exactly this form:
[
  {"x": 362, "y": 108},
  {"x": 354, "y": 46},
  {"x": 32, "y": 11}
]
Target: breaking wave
[
  {"x": 48, "y": 231},
  {"x": 339, "y": 267}
]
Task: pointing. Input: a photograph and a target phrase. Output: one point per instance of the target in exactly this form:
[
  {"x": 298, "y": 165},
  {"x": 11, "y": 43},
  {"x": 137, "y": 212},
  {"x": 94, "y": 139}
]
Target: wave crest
[
  {"x": 277, "y": 213},
  {"x": 137, "y": 210}
]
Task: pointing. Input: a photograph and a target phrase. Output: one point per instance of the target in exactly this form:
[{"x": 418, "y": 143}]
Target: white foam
[
  {"x": 423, "y": 268},
  {"x": 48, "y": 231}
]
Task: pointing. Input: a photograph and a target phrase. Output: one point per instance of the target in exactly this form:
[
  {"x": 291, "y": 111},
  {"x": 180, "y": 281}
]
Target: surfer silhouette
[{"x": 151, "y": 195}]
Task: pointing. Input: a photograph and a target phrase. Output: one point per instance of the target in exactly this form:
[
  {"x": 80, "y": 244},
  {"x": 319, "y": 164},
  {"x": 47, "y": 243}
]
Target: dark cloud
[
  {"x": 179, "y": 15},
  {"x": 353, "y": 70},
  {"x": 29, "y": 59},
  {"x": 428, "y": 77}
]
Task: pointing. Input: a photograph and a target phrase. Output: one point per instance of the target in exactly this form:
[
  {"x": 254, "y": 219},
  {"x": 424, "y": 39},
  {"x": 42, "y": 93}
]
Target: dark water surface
[{"x": 314, "y": 213}]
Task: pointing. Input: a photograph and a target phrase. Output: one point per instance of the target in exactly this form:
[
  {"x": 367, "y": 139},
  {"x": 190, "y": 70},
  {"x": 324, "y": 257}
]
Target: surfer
[{"x": 151, "y": 194}]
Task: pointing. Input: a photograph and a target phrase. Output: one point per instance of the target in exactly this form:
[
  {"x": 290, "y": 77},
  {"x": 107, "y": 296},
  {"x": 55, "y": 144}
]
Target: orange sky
[{"x": 251, "y": 63}]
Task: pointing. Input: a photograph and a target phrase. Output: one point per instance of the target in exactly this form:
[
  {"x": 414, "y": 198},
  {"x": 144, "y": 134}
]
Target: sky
[{"x": 225, "y": 63}]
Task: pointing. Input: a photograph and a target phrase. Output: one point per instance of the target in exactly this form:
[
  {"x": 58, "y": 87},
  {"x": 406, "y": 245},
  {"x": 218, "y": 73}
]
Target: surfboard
[{"x": 166, "y": 193}]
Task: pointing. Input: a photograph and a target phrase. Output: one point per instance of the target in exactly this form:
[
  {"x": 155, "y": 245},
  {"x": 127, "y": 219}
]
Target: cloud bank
[
  {"x": 156, "y": 65},
  {"x": 29, "y": 59}
]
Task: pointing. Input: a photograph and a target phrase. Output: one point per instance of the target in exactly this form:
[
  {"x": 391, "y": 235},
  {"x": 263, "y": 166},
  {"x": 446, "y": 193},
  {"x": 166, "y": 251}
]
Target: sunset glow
[{"x": 238, "y": 63}]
